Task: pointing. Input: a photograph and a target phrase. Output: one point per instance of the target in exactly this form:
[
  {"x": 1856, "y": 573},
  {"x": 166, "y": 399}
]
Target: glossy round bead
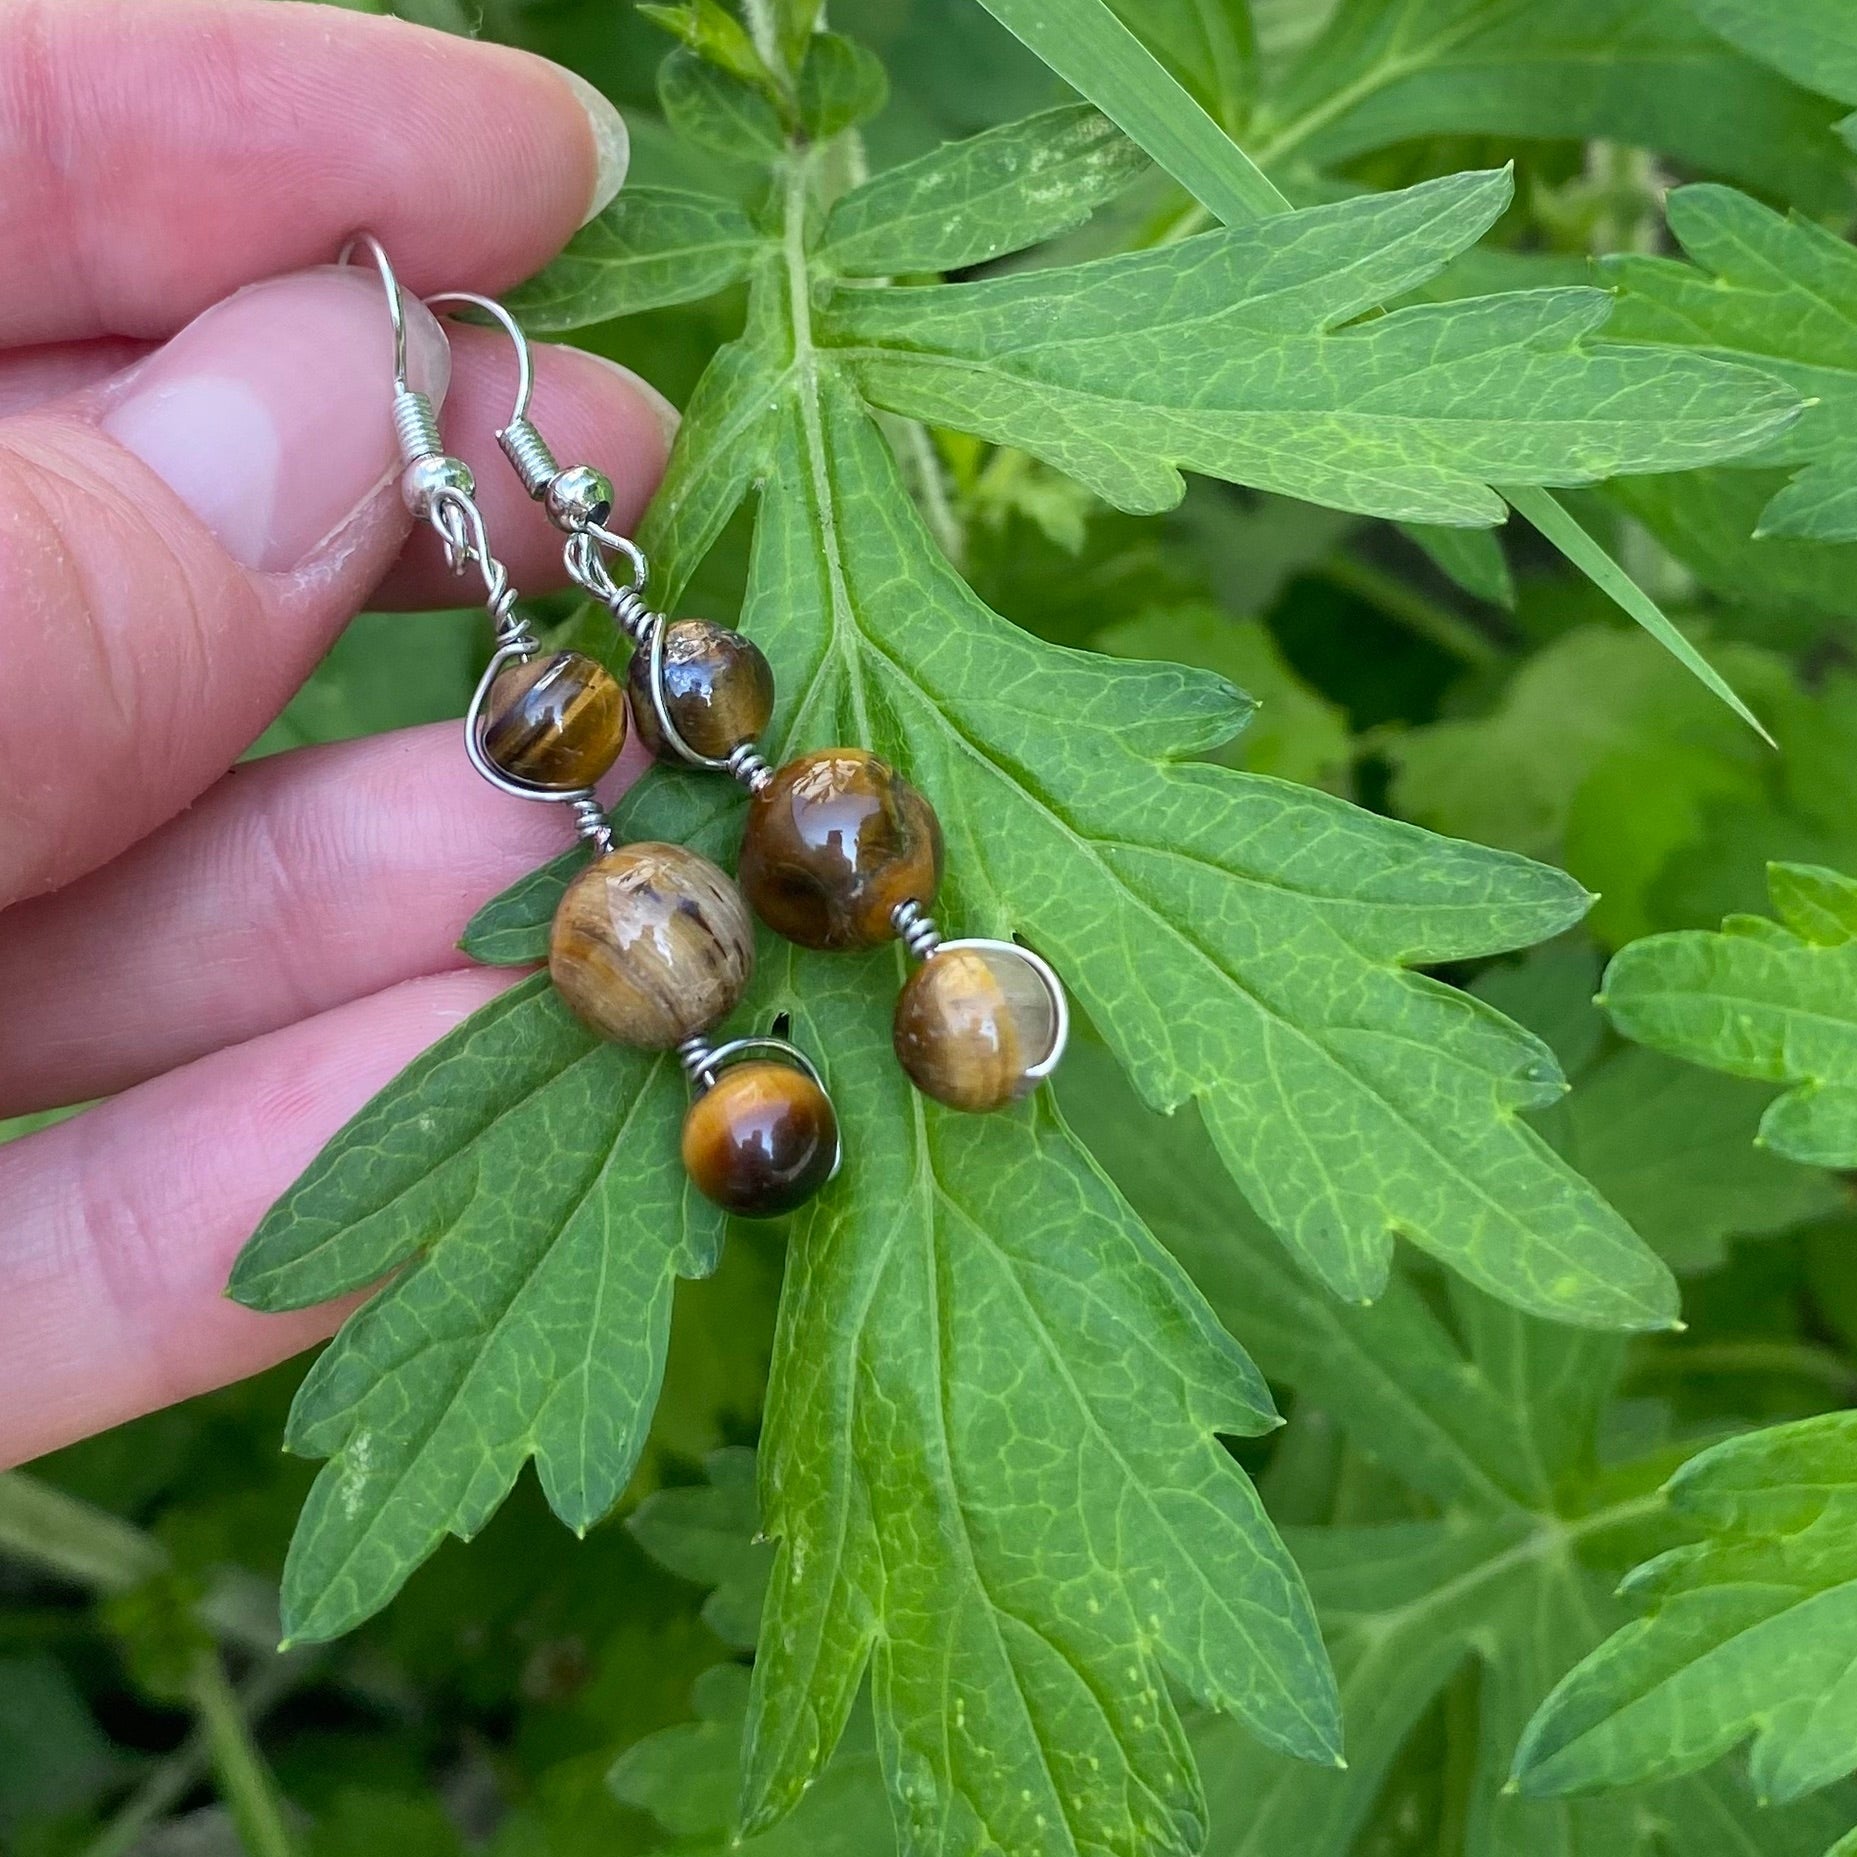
[
  {"x": 971, "y": 1023},
  {"x": 718, "y": 688},
  {"x": 651, "y": 945},
  {"x": 761, "y": 1140},
  {"x": 555, "y": 722},
  {"x": 834, "y": 843}
]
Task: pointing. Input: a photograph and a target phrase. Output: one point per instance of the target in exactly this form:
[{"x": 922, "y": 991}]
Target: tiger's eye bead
[
  {"x": 651, "y": 945},
  {"x": 834, "y": 843},
  {"x": 556, "y": 722},
  {"x": 718, "y": 687},
  {"x": 970, "y": 1024},
  {"x": 762, "y": 1140}
]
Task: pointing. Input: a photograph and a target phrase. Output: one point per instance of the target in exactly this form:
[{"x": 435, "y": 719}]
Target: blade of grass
[
  {"x": 1554, "y": 521},
  {"x": 1094, "y": 53}
]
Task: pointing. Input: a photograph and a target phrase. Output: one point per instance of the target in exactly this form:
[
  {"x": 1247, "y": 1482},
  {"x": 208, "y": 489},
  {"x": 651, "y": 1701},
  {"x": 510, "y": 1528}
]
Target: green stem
[
  {"x": 181, "y": 1771},
  {"x": 245, "y": 1781},
  {"x": 75, "y": 1540},
  {"x": 1429, "y": 619}
]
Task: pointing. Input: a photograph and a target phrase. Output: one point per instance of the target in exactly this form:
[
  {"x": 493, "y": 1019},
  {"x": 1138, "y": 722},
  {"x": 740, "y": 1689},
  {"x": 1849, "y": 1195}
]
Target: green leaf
[
  {"x": 1227, "y": 354},
  {"x": 711, "y": 1534},
  {"x": 1094, "y": 52},
  {"x": 981, "y": 198},
  {"x": 840, "y": 85},
  {"x": 1473, "y": 558},
  {"x": 650, "y": 248},
  {"x": 719, "y": 109},
  {"x": 1707, "y": 519},
  {"x": 1644, "y": 72},
  {"x": 1813, "y": 41},
  {"x": 520, "y": 1322},
  {"x": 1779, "y": 1005},
  {"x": 1295, "y": 733},
  {"x": 1777, "y": 293},
  {"x": 687, "y": 1777},
  {"x": 715, "y": 35},
  {"x": 1747, "y": 1634},
  {"x": 1594, "y": 717},
  {"x": 1492, "y": 1417}
]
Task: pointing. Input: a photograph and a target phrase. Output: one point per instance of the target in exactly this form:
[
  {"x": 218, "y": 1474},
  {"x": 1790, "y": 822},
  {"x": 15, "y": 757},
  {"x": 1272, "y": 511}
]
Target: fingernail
[
  {"x": 610, "y": 138},
  {"x": 270, "y": 415}
]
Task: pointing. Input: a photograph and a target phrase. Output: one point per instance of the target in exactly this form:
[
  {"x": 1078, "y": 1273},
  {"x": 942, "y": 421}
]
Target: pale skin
[{"x": 236, "y": 960}]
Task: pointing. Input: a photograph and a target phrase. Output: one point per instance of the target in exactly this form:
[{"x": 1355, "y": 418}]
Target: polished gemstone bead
[
  {"x": 762, "y": 1140},
  {"x": 971, "y": 1023},
  {"x": 651, "y": 945},
  {"x": 833, "y": 844},
  {"x": 555, "y": 721},
  {"x": 718, "y": 688}
]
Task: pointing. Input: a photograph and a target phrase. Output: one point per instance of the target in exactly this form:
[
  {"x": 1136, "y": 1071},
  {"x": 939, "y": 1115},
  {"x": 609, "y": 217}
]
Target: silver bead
[
  {"x": 425, "y": 477},
  {"x": 578, "y": 496}
]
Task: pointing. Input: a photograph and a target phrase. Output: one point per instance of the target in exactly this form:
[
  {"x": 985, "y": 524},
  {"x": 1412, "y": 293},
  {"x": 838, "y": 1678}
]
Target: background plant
[{"x": 1464, "y": 1473}]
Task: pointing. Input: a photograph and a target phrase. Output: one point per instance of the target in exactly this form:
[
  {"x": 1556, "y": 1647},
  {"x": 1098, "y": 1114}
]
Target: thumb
[{"x": 178, "y": 548}]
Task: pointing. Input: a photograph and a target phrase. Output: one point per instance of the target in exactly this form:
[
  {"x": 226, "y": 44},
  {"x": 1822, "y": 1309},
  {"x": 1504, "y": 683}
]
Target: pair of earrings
[{"x": 652, "y": 944}]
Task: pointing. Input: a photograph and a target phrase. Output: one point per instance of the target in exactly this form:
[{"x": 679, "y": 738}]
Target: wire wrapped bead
[
  {"x": 718, "y": 690},
  {"x": 836, "y": 842},
  {"x": 976, "y": 1026},
  {"x": 761, "y": 1140},
  {"x": 556, "y": 722}
]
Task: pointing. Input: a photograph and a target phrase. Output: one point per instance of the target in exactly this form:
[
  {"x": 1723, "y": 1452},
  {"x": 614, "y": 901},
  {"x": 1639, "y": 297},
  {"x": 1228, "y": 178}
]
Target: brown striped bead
[
  {"x": 651, "y": 945},
  {"x": 718, "y": 688},
  {"x": 970, "y": 1023},
  {"x": 555, "y": 722},
  {"x": 833, "y": 844},
  {"x": 761, "y": 1140}
]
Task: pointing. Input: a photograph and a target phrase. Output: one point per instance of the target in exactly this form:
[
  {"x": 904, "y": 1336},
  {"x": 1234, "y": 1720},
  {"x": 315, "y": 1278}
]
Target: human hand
[{"x": 238, "y": 960}]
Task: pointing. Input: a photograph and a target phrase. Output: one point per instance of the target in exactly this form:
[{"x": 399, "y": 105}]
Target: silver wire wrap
[
  {"x": 587, "y": 553},
  {"x": 528, "y": 453},
  {"x": 415, "y": 426},
  {"x": 917, "y": 929},
  {"x": 702, "y": 1061},
  {"x": 460, "y": 526}
]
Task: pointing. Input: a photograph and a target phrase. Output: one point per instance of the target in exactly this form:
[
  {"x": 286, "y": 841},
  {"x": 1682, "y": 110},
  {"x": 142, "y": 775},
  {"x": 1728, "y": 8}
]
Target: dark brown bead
[
  {"x": 970, "y": 1023},
  {"x": 556, "y": 722},
  {"x": 651, "y": 945},
  {"x": 718, "y": 688},
  {"x": 834, "y": 842},
  {"x": 762, "y": 1140}
]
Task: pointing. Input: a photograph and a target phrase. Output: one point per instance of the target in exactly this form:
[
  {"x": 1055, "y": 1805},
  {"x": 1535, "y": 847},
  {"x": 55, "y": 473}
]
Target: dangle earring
[
  {"x": 839, "y": 850},
  {"x": 652, "y": 944}
]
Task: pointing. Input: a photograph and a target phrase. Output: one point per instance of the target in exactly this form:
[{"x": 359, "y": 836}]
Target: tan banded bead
[
  {"x": 651, "y": 945},
  {"x": 556, "y": 721},
  {"x": 970, "y": 1024}
]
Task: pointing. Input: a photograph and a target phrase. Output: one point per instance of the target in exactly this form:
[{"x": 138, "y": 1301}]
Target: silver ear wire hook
[
  {"x": 578, "y": 499},
  {"x": 429, "y": 473}
]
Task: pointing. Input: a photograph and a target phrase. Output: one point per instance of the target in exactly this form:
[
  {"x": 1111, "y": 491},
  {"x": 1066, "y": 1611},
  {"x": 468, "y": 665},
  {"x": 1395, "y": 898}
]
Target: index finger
[{"x": 156, "y": 158}]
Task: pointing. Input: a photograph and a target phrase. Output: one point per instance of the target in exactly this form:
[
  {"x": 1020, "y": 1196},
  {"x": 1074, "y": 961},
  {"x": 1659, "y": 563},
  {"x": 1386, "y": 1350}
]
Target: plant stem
[
  {"x": 245, "y": 1781},
  {"x": 75, "y": 1540},
  {"x": 1431, "y": 620},
  {"x": 176, "y": 1776}
]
